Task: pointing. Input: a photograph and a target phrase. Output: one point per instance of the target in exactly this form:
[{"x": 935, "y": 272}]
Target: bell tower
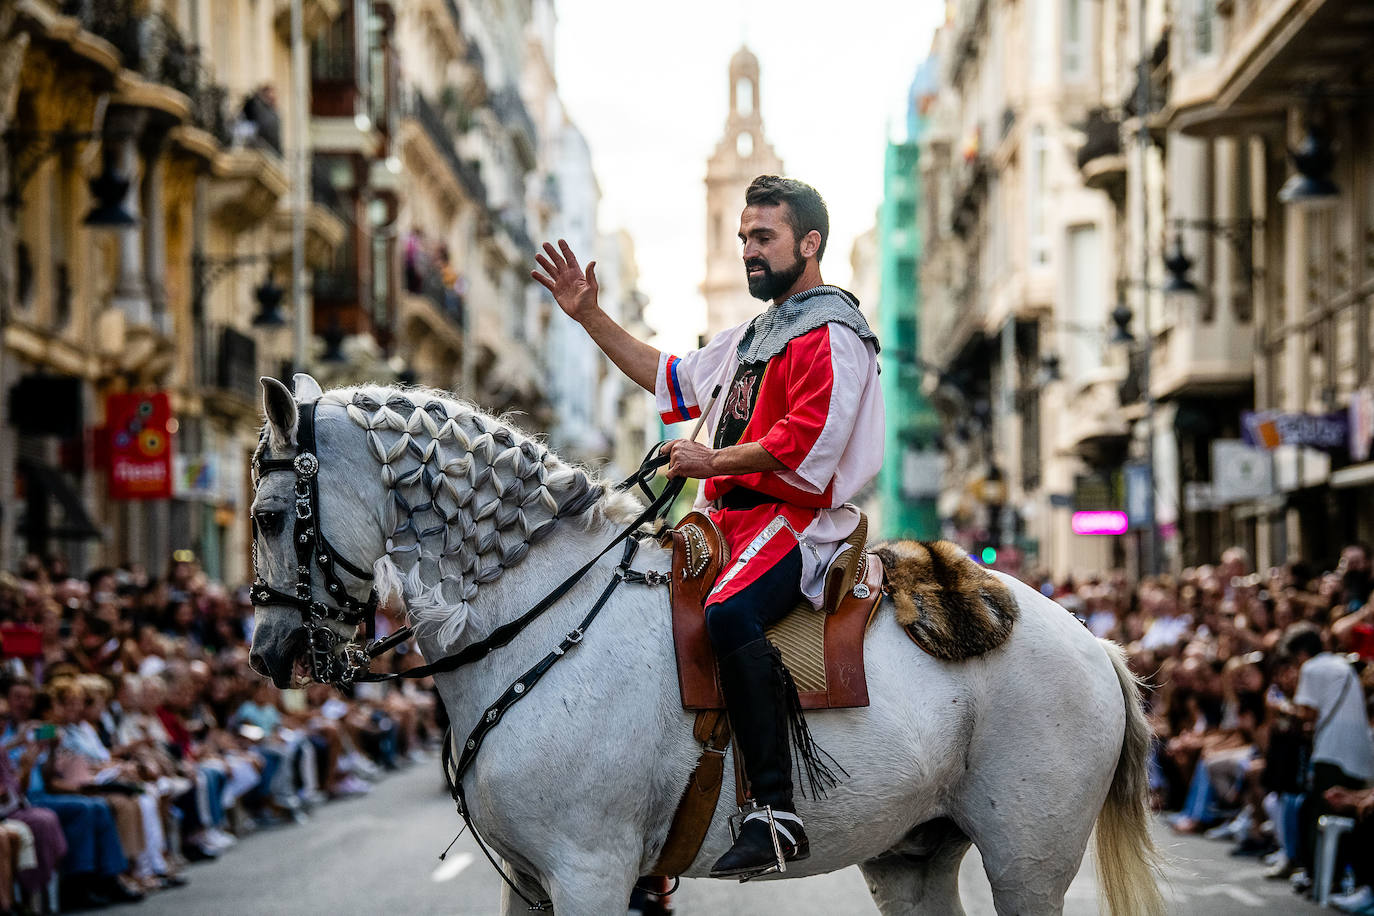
[{"x": 741, "y": 155}]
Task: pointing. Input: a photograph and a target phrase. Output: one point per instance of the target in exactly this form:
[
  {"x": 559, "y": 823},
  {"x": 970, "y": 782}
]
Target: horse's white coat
[{"x": 577, "y": 786}]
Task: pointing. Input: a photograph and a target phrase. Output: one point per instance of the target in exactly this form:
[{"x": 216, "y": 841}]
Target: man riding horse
[{"x": 796, "y": 413}]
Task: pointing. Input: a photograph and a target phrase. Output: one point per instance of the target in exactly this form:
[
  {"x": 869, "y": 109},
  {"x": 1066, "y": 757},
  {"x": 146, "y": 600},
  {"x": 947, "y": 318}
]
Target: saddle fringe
[{"x": 812, "y": 762}]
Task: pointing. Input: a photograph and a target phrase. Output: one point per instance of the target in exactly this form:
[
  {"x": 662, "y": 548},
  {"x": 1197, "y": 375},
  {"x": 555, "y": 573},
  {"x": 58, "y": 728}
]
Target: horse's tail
[{"x": 1127, "y": 861}]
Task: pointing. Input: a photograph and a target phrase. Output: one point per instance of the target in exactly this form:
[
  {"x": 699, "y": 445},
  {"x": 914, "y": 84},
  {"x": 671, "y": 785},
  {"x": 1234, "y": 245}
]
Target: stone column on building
[
  {"x": 123, "y": 126},
  {"x": 154, "y": 227},
  {"x": 12, "y": 49}
]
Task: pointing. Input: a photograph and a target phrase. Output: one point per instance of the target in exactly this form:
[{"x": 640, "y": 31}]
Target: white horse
[{"x": 1019, "y": 751}]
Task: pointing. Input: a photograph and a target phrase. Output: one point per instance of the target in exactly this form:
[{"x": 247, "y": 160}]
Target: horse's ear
[
  {"x": 281, "y": 411},
  {"x": 307, "y": 389}
]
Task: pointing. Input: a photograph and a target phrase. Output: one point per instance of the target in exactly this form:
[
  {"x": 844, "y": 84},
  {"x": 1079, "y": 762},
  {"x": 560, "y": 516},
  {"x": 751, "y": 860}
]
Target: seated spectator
[{"x": 1331, "y": 698}]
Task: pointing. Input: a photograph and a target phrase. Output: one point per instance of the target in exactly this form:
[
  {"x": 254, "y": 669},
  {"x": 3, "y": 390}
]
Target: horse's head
[
  {"x": 315, "y": 541},
  {"x": 425, "y": 497}
]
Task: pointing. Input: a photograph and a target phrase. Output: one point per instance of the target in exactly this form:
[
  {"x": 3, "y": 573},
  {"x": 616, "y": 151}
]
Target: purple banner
[{"x": 1269, "y": 429}]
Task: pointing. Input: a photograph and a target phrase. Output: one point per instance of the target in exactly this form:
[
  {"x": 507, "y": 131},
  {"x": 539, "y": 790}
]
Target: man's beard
[{"x": 771, "y": 284}]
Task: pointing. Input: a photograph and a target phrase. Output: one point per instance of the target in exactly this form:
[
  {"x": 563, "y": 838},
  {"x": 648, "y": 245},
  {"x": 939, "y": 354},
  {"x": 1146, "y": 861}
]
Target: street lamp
[
  {"x": 110, "y": 189},
  {"x": 333, "y": 337},
  {"x": 1312, "y": 185},
  {"x": 29, "y": 149},
  {"x": 1177, "y": 264},
  {"x": 207, "y": 270},
  {"x": 1121, "y": 319},
  {"x": 269, "y": 296}
]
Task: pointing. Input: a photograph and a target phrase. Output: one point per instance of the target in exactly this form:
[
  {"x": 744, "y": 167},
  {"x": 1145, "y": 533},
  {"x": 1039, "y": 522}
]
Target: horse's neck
[{"x": 515, "y": 592}]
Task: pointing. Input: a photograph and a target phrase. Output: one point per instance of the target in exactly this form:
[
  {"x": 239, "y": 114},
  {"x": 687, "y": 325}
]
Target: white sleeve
[{"x": 682, "y": 382}]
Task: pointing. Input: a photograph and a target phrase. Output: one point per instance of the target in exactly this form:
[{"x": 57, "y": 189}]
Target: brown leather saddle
[{"x": 823, "y": 648}]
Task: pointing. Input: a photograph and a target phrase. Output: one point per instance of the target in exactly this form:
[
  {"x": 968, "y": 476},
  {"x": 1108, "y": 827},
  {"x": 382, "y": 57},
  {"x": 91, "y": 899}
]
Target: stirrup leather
[{"x": 757, "y": 812}]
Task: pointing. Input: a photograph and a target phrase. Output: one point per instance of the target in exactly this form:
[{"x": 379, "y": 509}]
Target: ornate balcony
[
  {"x": 510, "y": 110},
  {"x": 1100, "y": 159},
  {"x": 318, "y": 14},
  {"x": 442, "y": 137}
]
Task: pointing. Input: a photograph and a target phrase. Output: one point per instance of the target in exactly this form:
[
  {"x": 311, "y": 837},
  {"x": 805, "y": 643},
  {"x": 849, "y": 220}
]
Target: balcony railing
[
  {"x": 322, "y": 190},
  {"x": 511, "y": 111},
  {"x": 514, "y": 223},
  {"x": 439, "y": 134},
  {"x": 1103, "y": 137},
  {"x": 229, "y": 362},
  {"x": 152, "y": 46}
]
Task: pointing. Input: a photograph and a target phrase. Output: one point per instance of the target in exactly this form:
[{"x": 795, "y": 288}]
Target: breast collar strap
[{"x": 313, "y": 548}]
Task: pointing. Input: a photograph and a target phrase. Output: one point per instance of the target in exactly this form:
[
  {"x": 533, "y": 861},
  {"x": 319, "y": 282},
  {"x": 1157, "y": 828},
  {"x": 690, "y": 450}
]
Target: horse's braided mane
[{"x": 469, "y": 494}]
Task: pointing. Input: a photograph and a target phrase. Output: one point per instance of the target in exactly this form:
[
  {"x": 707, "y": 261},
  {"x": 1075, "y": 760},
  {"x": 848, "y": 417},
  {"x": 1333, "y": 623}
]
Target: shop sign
[
  {"x": 197, "y": 477},
  {"x": 138, "y": 432},
  {"x": 1099, "y": 522},
  {"x": 1240, "y": 473},
  {"x": 1139, "y": 495},
  {"x": 1269, "y": 429}
]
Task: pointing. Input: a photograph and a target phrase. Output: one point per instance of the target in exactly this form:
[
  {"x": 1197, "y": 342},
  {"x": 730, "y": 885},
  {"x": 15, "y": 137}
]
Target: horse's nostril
[{"x": 259, "y": 664}]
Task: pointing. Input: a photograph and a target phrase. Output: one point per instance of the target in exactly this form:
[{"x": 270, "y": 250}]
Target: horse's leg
[
  {"x": 592, "y": 882},
  {"x": 511, "y": 905},
  {"x": 921, "y": 874}
]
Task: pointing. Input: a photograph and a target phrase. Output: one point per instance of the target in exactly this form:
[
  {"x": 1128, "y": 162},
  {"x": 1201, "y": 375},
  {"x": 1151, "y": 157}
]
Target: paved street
[{"x": 379, "y": 854}]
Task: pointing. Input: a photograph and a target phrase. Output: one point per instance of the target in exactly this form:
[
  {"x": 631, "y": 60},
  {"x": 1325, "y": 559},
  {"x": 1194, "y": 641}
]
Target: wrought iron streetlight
[
  {"x": 333, "y": 337},
  {"x": 269, "y": 297},
  {"x": 1312, "y": 185},
  {"x": 1177, "y": 264},
  {"x": 110, "y": 189}
]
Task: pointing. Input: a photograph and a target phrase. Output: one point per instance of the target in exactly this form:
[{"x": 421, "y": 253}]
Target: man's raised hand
[{"x": 573, "y": 289}]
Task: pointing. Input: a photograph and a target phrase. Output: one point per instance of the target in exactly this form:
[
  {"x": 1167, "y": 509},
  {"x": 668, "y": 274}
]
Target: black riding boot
[{"x": 752, "y": 680}]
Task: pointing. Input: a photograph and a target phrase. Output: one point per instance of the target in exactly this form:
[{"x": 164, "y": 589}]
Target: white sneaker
[
  {"x": 220, "y": 839},
  {"x": 1354, "y": 901}
]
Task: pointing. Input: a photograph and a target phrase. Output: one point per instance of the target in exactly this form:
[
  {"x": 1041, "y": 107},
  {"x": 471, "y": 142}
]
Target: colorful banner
[
  {"x": 138, "y": 430},
  {"x": 1269, "y": 429}
]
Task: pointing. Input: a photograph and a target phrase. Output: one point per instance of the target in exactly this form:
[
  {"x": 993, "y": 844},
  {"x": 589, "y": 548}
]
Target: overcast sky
[{"x": 647, "y": 83}]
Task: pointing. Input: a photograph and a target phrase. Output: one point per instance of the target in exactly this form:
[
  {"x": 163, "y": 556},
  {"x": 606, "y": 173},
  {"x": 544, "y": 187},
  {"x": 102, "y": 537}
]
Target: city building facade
[
  {"x": 1147, "y": 279},
  {"x": 909, "y": 483},
  {"x": 1011, "y": 272},
  {"x": 203, "y": 192}
]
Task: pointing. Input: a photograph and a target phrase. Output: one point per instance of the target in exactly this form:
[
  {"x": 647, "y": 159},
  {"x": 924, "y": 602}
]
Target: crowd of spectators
[
  {"x": 1258, "y": 689},
  {"x": 136, "y": 738}
]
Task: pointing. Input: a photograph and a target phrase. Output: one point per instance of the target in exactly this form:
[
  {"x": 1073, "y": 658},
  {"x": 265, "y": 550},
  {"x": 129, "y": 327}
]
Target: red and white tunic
[{"x": 817, "y": 408}]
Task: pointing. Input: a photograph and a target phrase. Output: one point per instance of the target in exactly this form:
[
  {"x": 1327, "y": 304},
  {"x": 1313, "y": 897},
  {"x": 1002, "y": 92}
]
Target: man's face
[{"x": 772, "y": 254}]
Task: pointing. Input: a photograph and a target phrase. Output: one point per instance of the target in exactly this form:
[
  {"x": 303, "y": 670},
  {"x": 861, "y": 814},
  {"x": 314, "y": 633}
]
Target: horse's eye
[{"x": 270, "y": 521}]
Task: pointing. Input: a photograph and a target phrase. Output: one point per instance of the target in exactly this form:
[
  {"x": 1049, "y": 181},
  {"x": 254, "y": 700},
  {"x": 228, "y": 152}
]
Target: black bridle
[
  {"x": 332, "y": 659},
  {"x": 345, "y": 664}
]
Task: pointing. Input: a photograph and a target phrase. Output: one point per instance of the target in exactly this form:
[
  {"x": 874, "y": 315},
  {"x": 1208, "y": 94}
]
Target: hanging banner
[
  {"x": 138, "y": 432},
  {"x": 1269, "y": 429},
  {"x": 1361, "y": 423}
]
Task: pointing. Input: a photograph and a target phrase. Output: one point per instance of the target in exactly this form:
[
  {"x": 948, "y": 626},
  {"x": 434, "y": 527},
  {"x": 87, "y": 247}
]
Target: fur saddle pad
[
  {"x": 949, "y": 605},
  {"x": 823, "y": 649}
]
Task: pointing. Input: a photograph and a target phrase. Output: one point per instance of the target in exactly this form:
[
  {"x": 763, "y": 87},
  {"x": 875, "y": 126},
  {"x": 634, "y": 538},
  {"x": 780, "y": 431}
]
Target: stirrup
[{"x": 757, "y": 812}]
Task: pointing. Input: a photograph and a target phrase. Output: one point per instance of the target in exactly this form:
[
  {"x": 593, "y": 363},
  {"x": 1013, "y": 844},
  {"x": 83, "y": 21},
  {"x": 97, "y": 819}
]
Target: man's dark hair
[
  {"x": 1302, "y": 638},
  {"x": 805, "y": 208}
]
